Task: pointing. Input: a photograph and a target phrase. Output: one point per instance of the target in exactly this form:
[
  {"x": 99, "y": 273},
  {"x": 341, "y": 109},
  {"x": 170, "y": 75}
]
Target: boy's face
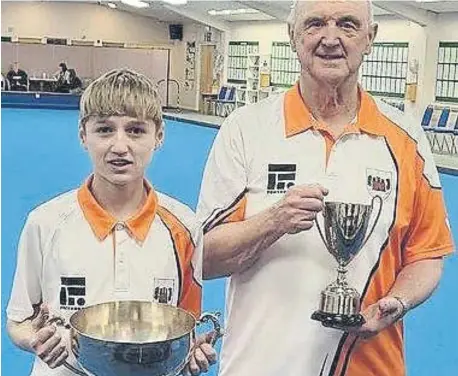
[{"x": 121, "y": 147}]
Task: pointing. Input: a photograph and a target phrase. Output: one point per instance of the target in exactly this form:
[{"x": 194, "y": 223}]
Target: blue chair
[
  {"x": 448, "y": 134},
  {"x": 439, "y": 129},
  {"x": 454, "y": 149},
  {"x": 427, "y": 116},
  {"x": 225, "y": 102},
  {"x": 426, "y": 122}
]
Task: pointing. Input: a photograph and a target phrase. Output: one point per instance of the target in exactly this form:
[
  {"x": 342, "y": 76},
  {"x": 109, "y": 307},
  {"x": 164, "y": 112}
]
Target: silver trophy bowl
[
  {"x": 137, "y": 338},
  {"x": 344, "y": 233}
]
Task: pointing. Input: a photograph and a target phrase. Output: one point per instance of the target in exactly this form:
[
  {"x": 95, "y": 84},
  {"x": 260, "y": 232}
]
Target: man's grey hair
[{"x": 293, "y": 14}]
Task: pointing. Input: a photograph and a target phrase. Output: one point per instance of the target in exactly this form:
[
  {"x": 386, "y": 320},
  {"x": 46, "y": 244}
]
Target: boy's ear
[
  {"x": 82, "y": 136},
  {"x": 159, "y": 136}
]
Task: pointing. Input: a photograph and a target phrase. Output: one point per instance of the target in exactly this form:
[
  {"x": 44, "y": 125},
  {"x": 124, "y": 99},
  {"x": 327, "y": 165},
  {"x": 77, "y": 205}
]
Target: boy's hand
[
  {"x": 202, "y": 357},
  {"x": 47, "y": 343}
]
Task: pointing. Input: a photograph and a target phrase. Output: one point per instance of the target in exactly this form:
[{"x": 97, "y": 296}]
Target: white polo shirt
[
  {"x": 262, "y": 150},
  {"x": 72, "y": 254}
]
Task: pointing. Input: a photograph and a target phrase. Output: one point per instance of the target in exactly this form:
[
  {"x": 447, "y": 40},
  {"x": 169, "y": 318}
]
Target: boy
[{"x": 114, "y": 238}]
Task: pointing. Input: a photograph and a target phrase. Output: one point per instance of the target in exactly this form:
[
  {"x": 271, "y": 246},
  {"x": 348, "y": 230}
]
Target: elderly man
[{"x": 270, "y": 170}]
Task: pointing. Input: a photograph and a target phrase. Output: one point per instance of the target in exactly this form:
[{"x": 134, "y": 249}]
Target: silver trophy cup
[
  {"x": 345, "y": 234},
  {"x": 132, "y": 338}
]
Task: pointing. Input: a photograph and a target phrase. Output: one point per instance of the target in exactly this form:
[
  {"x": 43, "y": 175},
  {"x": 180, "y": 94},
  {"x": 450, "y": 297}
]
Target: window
[
  {"x": 447, "y": 72},
  {"x": 285, "y": 66},
  {"x": 384, "y": 71},
  {"x": 237, "y": 64}
]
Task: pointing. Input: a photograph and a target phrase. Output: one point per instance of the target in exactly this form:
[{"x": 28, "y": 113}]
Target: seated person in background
[
  {"x": 63, "y": 79},
  {"x": 75, "y": 84},
  {"x": 17, "y": 78}
]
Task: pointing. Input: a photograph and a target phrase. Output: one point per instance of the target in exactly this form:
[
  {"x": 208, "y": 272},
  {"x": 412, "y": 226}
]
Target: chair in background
[
  {"x": 225, "y": 102},
  {"x": 437, "y": 145},
  {"x": 434, "y": 118},
  {"x": 448, "y": 134},
  {"x": 426, "y": 122}
]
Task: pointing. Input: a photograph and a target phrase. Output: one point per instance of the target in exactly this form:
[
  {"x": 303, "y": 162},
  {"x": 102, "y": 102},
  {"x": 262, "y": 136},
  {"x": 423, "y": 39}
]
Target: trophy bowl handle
[
  {"x": 214, "y": 319},
  {"x": 375, "y": 198}
]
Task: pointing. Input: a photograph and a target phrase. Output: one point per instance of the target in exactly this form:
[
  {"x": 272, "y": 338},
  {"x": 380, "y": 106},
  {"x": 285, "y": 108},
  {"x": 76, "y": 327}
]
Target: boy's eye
[
  {"x": 103, "y": 129},
  {"x": 136, "y": 130}
]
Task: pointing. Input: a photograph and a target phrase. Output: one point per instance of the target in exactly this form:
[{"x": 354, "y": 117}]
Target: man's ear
[
  {"x": 372, "y": 35},
  {"x": 291, "y": 37}
]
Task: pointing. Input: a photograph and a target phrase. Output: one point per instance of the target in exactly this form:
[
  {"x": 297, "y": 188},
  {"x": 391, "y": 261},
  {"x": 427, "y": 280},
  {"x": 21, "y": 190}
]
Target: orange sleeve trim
[
  {"x": 238, "y": 214},
  {"x": 429, "y": 233},
  {"x": 235, "y": 212},
  {"x": 427, "y": 255},
  {"x": 190, "y": 293}
]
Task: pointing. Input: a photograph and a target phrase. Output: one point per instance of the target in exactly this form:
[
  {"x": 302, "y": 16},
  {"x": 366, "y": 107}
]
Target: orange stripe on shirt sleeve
[
  {"x": 190, "y": 298},
  {"x": 237, "y": 214},
  {"x": 234, "y": 213},
  {"x": 429, "y": 234}
]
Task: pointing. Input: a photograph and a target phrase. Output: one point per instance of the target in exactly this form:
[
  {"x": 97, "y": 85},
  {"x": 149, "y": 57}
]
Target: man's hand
[
  {"x": 378, "y": 316},
  {"x": 47, "y": 343},
  {"x": 297, "y": 210},
  {"x": 202, "y": 357}
]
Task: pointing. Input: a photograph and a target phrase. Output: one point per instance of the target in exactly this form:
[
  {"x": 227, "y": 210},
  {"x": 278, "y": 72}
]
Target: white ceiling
[
  {"x": 197, "y": 10},
  {"x": 437, "y": 6}
]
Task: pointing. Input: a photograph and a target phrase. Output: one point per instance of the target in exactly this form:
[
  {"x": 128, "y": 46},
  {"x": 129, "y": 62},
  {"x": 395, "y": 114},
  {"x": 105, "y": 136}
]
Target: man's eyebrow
[
  {"x": 349, "y": 18},
  {"x": 312, "y": 19}
]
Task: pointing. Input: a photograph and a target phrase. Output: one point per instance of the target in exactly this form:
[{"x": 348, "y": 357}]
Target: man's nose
[{"x": 331, "y": 36}]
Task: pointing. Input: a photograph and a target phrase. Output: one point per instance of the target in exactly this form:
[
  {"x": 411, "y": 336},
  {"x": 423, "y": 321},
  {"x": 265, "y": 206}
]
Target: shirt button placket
[{"x": 122, "y": 272}]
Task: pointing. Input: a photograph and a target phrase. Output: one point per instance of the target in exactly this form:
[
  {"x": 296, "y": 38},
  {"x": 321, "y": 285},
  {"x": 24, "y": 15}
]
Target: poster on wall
[{"x": 190, "y": 66}]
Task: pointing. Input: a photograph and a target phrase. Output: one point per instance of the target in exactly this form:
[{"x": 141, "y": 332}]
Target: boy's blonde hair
[{"x": 121, "y": 92}]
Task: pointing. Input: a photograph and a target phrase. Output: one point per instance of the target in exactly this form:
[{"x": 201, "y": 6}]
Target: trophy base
[{"x": 330, "y": 320}]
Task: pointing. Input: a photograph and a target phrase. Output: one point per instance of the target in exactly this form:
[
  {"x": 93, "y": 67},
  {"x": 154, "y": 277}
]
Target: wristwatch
[{"x": 403, "y": 304}]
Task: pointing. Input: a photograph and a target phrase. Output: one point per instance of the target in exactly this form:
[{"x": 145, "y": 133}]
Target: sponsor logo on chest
[
  {"x": 280, "y": 177},
  {"x": 163, "y": 290},
  {"x": 72, "y": 295}
]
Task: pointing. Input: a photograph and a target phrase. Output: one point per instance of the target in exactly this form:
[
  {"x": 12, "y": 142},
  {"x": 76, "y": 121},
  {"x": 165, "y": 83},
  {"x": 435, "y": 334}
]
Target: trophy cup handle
[
  {"x": 320, "y": 231},
  {"x": 214, "y": 319},
  {"x": 375, "y": 198},
  {"x": 59, "y": 321}
]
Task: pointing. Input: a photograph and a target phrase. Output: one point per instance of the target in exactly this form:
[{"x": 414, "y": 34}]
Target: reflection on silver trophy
[
  {"x": 345, "y": 233},
  {"x": 137, "y": 338}
]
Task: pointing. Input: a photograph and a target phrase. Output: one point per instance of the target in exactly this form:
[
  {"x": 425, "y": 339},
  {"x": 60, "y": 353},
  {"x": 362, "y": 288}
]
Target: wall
[
  {"x": 444, "y": 29},
  {"x": 264, "y": 32},
  {"x": 79, "y": 21},
  {"x": 391, "y": 29},
  {"x": 93, "y": 22}
]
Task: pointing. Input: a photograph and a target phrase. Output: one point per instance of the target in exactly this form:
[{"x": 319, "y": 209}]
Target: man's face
[
  {"x": 120, "y": 147},
  {"x": 331, "y": 38}
]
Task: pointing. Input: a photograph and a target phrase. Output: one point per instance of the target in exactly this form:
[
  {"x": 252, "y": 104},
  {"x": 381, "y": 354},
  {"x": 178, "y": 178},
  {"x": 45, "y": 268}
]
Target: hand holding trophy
[{"x": 344, "y": 235}]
